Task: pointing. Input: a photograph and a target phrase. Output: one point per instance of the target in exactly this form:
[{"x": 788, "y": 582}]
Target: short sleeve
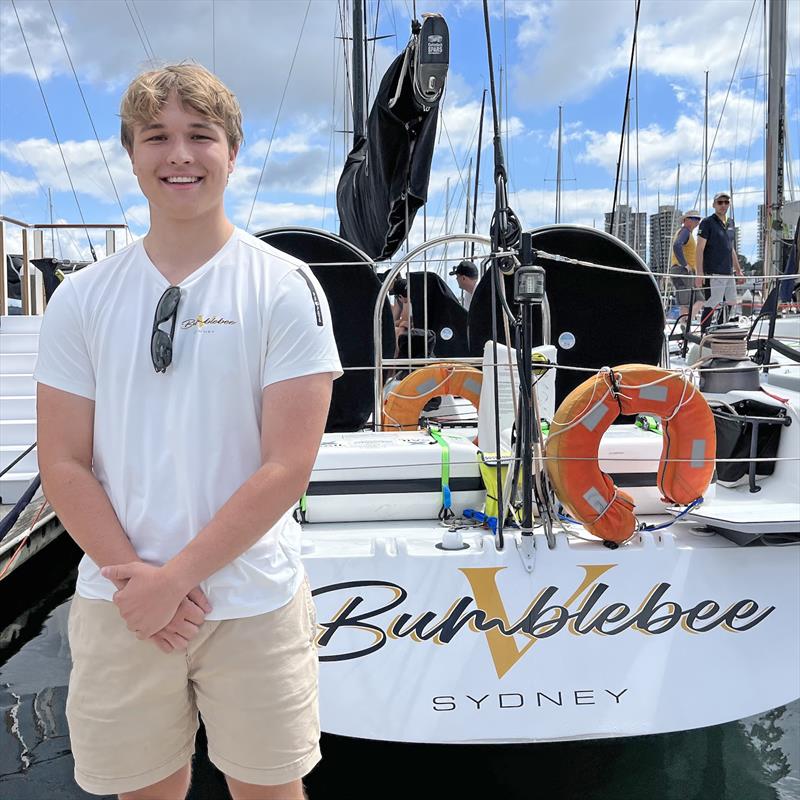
[
  {"x": 63, "y": 360},
  {"x": 702, "y": 230},
  {"x": 300, "y": 337}
]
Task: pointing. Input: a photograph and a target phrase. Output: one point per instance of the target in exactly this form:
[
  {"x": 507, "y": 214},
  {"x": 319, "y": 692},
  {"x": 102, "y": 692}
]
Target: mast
[
  {"x": 731, "y": 213},
  {"x": 705, "y": 151},
  {"x": 358, "y": 70},
  {"x": 558, "y": 171},
  {"x": 776, "y": 110},
  {"x": 466, "y": 213}
]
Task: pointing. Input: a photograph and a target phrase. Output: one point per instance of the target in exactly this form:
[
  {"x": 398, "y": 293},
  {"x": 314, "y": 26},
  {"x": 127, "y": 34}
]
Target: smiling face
[{"x": 182, "y": 161}]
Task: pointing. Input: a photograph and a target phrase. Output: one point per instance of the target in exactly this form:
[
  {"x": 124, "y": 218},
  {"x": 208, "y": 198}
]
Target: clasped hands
[{"x": 154, "y": 608}]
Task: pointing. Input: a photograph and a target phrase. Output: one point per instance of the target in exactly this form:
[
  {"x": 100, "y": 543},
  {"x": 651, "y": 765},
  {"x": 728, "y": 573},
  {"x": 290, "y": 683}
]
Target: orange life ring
[
  {"x": 687, "y": 456},
  {"x": 405, "y": 402}
]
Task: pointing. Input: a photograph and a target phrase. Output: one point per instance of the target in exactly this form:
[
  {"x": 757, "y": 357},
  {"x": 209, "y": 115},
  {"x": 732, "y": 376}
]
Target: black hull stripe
[
  {"x": 419, "y": 485},
  {"x": 395, "y": 486}
]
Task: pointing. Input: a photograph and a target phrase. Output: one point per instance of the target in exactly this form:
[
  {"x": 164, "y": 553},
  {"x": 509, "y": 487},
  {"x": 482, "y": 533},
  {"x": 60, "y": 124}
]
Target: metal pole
[
  {"x": 52, "y": 232},
  {"x": 358, "y": 70},
  {"x": 26, "y": 285},
  {"x": 447, "y": 226},
  {"x": 466, "y": 213},
  {"x": 731, "y": 214},
  {"x": 705, "y": 151},
  {"x": 3, "y": 271},
  {"x": 558, "y": 171},
  {"x": 776, "y": 109}
]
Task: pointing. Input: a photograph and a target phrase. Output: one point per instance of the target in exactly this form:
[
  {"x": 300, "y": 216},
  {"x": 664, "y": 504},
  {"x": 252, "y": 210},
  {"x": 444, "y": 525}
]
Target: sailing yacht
[{"x": 459, "y": 598}]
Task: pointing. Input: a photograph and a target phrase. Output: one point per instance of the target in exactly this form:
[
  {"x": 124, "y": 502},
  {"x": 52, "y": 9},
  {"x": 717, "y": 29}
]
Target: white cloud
[
  {"x": 251, "y": 48},
  {"x": 570, "y": 47},
  {"x": 88, "y": 172},
  {"x": 274, "y": 215},
  {"x": 11, "y": 185}
]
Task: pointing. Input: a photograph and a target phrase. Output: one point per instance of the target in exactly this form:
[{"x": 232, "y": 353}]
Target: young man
[
  {"x": 683, "y": 265},
  {"x": 717, "y": 261},
  {"x": 467, "y": 279},
  {"x": 183, "y": 387}
]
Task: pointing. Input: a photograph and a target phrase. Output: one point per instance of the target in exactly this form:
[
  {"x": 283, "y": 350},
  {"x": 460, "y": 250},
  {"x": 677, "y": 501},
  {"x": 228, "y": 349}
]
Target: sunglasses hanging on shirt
[{"x": 161, "y": 341}]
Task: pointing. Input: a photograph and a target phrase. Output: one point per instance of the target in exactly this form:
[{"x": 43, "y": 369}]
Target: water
[{"x": 753, "y": 759}]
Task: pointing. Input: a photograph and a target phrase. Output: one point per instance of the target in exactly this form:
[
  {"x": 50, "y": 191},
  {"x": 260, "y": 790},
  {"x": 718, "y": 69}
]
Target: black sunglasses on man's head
[{"x": 161, "y": 341}]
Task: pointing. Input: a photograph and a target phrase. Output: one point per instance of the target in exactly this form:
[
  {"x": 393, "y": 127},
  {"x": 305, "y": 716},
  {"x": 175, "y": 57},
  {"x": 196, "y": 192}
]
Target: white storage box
[{"x": 391, "y": 475}]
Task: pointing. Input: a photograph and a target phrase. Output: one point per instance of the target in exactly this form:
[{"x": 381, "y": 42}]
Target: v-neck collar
[{"x": 195, "y": 274}]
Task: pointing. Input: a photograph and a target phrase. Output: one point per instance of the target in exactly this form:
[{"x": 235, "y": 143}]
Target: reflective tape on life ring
[
  {"x": 404, "y": 402},
  {"x": 687, "y": 456}
]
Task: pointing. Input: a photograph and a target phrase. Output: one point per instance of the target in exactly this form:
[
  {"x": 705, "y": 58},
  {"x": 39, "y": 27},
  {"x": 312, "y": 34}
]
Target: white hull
[{"x": 623, "y": 678}]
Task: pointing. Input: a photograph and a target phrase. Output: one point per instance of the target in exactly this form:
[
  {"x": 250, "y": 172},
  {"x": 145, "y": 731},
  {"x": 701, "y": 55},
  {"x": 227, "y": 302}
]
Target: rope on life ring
[
  {"x": 687, "y": 456},
  {"x": 404, "y": 403}
]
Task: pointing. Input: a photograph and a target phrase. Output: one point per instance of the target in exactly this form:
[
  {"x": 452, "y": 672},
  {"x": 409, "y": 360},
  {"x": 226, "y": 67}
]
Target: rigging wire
[
  {"x": 331, "y": 138},
  {"x": 464, "y": 187},
  {"x": 278, "y": 115},
  {"x": 53, "y": 126},
  {"x": 371, "y": 70},
  {"x": 213, "y": 37},
  {"x": 753, "y": 110},
  {"x": 138, "y": 32},
  {"x": 348, "y": 81},
  {"x": 394, "y": 25},
  {"x": 144, "y": 30},
  {"x": 725, "y": 102},
  {"x": 88, "y": 112},
  {"x": 625, "y": 115}
]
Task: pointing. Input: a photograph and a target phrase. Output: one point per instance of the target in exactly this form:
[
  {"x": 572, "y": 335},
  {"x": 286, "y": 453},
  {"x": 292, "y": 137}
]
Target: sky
[{"x": 283, "y": 60}]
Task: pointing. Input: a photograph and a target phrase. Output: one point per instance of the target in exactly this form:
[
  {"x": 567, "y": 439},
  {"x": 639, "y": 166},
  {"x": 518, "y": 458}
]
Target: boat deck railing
[{"x": 32, "y": 284}]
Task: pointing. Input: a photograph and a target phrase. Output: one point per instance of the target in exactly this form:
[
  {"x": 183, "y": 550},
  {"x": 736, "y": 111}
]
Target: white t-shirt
[{"x": 171, "y": 448}]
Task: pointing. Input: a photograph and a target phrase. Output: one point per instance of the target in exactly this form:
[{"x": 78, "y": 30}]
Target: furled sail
[{"x": 385, "y": 177}]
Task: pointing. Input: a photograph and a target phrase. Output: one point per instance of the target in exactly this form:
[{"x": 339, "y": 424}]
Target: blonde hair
[{"x": 197, "y": 89}]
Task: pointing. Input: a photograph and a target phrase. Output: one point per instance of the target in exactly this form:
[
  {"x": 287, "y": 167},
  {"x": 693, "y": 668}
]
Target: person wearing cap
[
  {"x": 717, "y": 261},
  {"x": 683, "y": 265},
  {"x": 467, "y": 279}
]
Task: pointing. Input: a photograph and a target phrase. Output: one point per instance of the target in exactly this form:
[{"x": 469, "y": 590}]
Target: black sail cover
[{"x": 385, "y": 178}]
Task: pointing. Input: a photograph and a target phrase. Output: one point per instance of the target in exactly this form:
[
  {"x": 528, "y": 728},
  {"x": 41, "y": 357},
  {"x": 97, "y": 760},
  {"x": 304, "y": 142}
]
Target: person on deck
[
  {"x": 717, "y": 261},
  {"x": 467, "y": 279},
  {"x": 401, "y": 308},
  {"x": 183, "y": 388},
  {"x": 682, "y": 266}
]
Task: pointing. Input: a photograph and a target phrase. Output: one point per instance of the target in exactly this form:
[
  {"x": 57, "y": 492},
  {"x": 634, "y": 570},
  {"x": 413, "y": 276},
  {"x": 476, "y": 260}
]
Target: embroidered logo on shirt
[{"x": 200, "y": 322}]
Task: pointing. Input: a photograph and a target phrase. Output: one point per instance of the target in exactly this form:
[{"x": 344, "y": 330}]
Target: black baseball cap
[{"x": 466, "y": 268}]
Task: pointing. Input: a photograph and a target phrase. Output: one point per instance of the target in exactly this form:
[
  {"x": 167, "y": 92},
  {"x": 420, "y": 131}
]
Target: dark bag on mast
[{"x": 385, "y": 177}]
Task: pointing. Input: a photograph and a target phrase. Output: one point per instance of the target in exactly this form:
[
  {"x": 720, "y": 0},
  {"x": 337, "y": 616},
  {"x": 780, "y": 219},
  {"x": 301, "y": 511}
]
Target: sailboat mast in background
[
  {"x": 359, "y": 81},
  {"x": 776, "y": 121},
  {"x": 558, "y": 170}
]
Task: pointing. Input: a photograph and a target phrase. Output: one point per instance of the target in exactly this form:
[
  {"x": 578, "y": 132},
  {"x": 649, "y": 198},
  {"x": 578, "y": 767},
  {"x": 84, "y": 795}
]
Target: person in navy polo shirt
[{"x": 716, "y": 261}]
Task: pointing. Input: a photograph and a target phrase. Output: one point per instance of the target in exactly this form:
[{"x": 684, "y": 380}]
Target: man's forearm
[
  {"x": 252, "y": 510},
  {"x": 86, "y": 512}
]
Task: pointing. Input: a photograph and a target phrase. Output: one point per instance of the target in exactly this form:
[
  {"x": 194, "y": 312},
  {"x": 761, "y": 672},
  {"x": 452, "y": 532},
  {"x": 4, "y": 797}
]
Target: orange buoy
[
  {"x": 404, "y": 403},
  {"x": 687, "y": 456}
]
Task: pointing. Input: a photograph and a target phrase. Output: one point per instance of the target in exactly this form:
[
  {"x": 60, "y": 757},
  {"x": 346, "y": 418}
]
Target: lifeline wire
[
  {"x": 278, "y": 115},
  {"x": 89, "y": 113},
  {"x": 52, "y": 125}
]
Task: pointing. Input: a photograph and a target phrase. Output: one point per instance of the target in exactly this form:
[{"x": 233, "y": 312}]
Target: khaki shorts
[{"x": 132, "y": 709}]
